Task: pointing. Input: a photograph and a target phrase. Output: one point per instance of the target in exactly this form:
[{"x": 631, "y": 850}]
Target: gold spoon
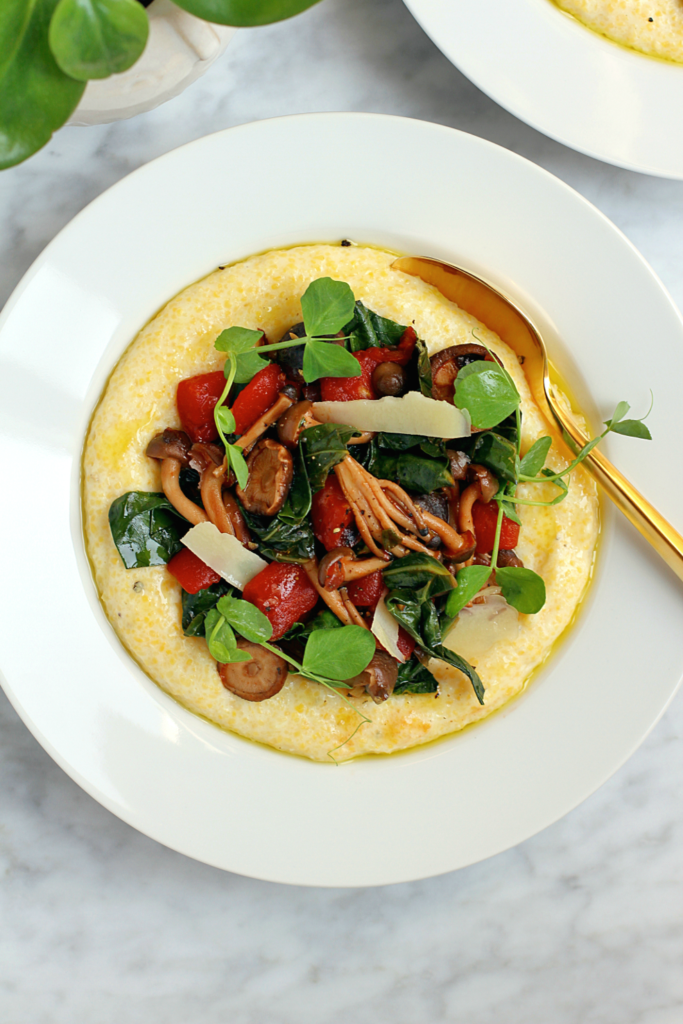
[{"x": 501, "y": 315}]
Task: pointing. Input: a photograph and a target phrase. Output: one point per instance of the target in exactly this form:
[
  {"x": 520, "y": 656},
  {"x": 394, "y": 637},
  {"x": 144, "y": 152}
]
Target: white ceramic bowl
[
  {"x": 178, "y": 778},
  {"x": 565, "y": 80},
  {"x": 180, "y": 49}
]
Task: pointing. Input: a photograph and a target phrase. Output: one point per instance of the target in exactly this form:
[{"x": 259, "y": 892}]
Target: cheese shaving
[
  {"x": 385, "y": 628},
  {"x": 412, "y": 414},
  {"x": 224, "y": 554}
]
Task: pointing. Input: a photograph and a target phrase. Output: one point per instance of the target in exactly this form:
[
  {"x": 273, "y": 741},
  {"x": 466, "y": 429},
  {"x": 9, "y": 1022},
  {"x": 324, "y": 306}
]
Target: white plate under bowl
[
  {"x": 179, "y": 779},
  {"x": 567, "y": 81}
]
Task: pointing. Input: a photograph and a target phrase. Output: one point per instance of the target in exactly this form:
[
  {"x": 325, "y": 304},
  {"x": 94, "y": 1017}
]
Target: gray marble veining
[{"x": 579, "y": 925}]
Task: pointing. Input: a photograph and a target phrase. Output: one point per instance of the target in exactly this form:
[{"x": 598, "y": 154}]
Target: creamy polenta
[
  {"x": 654, "y": 27},
  {"x": 144, "y": 605}
]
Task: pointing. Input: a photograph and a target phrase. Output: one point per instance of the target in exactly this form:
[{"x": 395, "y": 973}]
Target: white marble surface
[{"x": 579, "y": 925}]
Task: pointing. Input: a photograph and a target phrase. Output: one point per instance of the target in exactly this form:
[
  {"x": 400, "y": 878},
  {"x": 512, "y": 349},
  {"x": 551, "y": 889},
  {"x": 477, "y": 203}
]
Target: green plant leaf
[
  {"x": 486, "y": 390},
  {"x": 632, "y": 428},
  {"x": 413, "y": 472},
  {"x": 245, "y": 13},
  {"x": 327, "y": 306},
  {"x": 238, "y": 463},
  {"x": 534, "y": 460},
  {"x": 146, "y": 528},
  {"x": 469, "y": 582},
  {"x": 324, "y": 360},
  {"x": 221, "y": 640},
  {"x": 246, "y": 618},
  {"x": 522, "y": 588},
  {"x": 370, "y": 330},
  {"x": 339, "y": 653},
  {"x": 97, "y": 38},
  {"x": 413, "y": 677},
  {"x": 323, "y": 447},
  {"x": 36, "y": 97},
  {"x": 225, "y": 419},
  {"x": 418, "y": 573},
  {"x": 197, "y": 606},
  {"x": 241, "y": 343},
  {"x": 497, "y": 453},
  {"x": 618, "y": 414}
]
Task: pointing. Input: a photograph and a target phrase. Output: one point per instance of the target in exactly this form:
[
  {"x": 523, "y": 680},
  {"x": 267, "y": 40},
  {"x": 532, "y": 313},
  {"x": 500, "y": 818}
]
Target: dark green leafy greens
[
  {"x": 281, "y": 540},
  {"x": 369, "y": 330},
  {"x": 323, "y": 447},
  {"x": 196, "y": 606},
  {"x": 146, "y": 528},
  {"x": 413, "y": 677}
]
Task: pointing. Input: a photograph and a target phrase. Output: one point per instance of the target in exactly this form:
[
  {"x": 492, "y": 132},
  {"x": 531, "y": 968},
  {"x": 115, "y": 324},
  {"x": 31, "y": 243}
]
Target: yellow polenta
[
  {"x": 654, "y": 27},
  {"x": 144, "y": 605}
]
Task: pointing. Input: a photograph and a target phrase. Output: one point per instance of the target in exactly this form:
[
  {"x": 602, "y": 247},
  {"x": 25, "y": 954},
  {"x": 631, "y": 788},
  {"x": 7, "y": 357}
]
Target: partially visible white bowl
[
  {"x": 180, "y": 49},
  {"x": 565, "y": 80}
]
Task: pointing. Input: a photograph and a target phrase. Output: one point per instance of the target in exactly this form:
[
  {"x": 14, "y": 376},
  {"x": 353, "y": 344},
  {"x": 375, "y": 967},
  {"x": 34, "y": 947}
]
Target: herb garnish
[{"x": 486, "y": 390}]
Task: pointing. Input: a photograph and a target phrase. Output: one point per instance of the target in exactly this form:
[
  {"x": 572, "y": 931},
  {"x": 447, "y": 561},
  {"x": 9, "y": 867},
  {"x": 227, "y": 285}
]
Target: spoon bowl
[{"x": 501, "y": 315}]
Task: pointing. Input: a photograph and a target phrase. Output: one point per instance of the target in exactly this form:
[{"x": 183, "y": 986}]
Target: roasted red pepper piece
[
  {"x": 401, "y": 354},
  {"x": 192, "y": 574},
  {"x": 196, "y": 398},
  {"x": 260, "y": 393},
  {"x": 349, "y": 389},
  {"x": 485, "y": 516},
  {"x": 366, "y": 592},
  {"x": 284, "y": 594},
  {"x": 331, "y": 514},
  {"x": 405, "y": 643}
]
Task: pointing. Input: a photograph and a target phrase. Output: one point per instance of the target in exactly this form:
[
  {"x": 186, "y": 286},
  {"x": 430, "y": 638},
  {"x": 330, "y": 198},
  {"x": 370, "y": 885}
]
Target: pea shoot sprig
[
  {"x": 487, "y": 391},
  {"x": 331, "y": 656},
  {"x": 327, "y": 306}
]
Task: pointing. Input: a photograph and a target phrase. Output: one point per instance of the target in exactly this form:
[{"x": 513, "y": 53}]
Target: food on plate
[
  {"x": 310, "y": 480},
  {"x": 653, "y": 29}
]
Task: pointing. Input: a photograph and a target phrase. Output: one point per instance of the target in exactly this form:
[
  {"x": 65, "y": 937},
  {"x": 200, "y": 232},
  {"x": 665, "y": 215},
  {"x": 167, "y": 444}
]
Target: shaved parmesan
[
  {"x": 224, "y": 554},
  {"x": 385, "y": 628},
  {"x": 480, "y": 626},
  {"x": 412, "y": 414}
]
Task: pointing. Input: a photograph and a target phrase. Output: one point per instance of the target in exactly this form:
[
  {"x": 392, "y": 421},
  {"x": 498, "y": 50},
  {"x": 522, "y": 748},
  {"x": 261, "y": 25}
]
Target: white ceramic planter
[{"x": 179, "y": 50}]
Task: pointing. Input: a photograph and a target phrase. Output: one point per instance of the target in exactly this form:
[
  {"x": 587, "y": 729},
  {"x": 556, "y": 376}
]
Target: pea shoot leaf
[
  {"x": 225, "y": 419},
  {"x": 241, "y": 343},
  {"x": 221, "y": 640},
  {"x": 246, "y": 618},
  {"x": 632, "y": 428},
  {"x": 327, "y": 306},
  {"x": 486, "y": 390},
  {"x": 534, "y": 460},
  {"x": 321, "y": 359},
  {"x": 97, "y": 38},
  {"x": 618, "y": 414},
  {"x": 36, "y": 97},
  {"x": 522, "y": 588},
  {"x": 238, "y": 463},
  {"x": 339, "y": 653},
  {"x": 469, "y": 582}
]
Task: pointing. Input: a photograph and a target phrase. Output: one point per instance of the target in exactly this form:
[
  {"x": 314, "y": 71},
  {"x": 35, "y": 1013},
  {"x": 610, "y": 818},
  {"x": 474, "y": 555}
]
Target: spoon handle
[{"x": 667, "y": 542}]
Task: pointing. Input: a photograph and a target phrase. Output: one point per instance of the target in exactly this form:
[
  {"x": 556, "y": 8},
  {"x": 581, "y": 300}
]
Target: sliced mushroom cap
[
  {"x": 296, "y": 419},
  {"x": 271, "y": 469},
  {"x": 258, "y": 679},
  {"x": 435, "y": 502},
  {"x": 487, "y": 481},
  {"x": 331, "y": 571},
  {"x": 458, "y": 463},
  {"x": 379, "y": 678},
  {"x": 446, "y": 365},
  {"x": 204, "y": 456},
  {"x": 170, "y": 444},
  {"x": 509, "y": 559}
]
